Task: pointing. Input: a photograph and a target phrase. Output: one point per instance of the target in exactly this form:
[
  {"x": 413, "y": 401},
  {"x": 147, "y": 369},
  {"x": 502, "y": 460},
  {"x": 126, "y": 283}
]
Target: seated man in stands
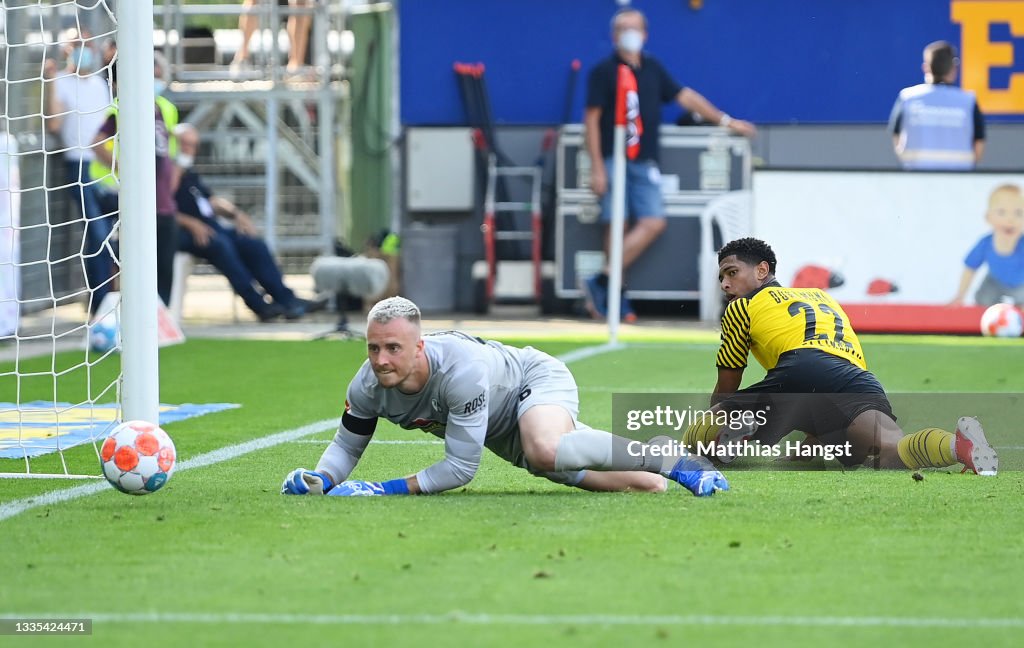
[{"x": 237, "y": 251}]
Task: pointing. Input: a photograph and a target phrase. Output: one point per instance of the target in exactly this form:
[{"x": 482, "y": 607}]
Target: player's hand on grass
[
  {"x": 306, "y": 482},
  {"x": 697, "y": 475},
  {"x": 710, "y": 483},
  {"x": 355, "y": 488}
]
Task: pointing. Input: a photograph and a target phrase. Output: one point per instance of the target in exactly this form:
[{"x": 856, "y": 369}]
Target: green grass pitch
[{"x": 786, "y": 558}]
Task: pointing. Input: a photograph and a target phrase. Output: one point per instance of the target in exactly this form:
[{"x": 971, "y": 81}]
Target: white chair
[
  {"x": 733, "y": 214},
  {"x": 184, "y": 263}
]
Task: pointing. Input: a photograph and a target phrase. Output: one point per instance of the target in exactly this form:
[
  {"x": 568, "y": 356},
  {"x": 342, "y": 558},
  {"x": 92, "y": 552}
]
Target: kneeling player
[
  {"x": 817, "y": 379},
  {"x": 519, "y": 403}
]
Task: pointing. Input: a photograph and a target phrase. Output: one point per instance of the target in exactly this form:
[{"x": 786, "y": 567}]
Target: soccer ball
[
  {"x": 103, "y": 335},
  {"x": 1002, "y": 320},
  {"x": 138, "y": 458}
]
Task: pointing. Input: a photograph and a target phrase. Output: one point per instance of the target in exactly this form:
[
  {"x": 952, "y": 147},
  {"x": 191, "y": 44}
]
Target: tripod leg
[{"x": 341, "y": 329}]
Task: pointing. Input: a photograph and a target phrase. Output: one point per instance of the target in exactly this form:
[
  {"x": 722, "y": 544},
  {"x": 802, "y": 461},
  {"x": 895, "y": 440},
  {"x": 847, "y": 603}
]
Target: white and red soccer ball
[
  {"x": 1002, "y": 320},
  {"x": 138, "y": 458}
]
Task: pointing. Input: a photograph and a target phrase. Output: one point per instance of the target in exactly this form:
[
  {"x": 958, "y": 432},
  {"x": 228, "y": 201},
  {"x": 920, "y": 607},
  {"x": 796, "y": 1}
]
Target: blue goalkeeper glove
[
  {"x": 697, "y": 475},
  {"x": 306, "y": 482},
  {"x": 355, "y": 488}
]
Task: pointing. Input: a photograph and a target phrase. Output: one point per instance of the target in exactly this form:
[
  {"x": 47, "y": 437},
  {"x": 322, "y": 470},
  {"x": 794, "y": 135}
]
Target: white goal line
[
  {"x": 376, "y": 441},
  {"x": 471, "y": 618}
]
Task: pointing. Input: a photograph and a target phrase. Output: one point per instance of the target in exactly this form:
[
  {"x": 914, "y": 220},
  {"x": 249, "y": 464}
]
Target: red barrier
[{"x": 915, "y": 318}]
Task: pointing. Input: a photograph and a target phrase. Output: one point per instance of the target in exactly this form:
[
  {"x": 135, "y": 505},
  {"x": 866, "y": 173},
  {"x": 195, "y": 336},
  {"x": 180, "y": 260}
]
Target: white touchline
[
  {"x": 16, "y": 507},
  {"x": 532, "y": 619},
  {"x": 590, "y": 352},
  {"x": 378, "y": 441}
]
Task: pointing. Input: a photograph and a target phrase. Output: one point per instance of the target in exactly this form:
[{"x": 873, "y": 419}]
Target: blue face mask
[
  {"x": 158, "y": 87},
  {"x": 84, "y": 59}
]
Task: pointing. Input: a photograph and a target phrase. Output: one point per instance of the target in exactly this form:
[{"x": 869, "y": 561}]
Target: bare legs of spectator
[
  {"x": 298, "y": 35},
  {"x": 247, "y": 24},
  {"x": 636, "y": 239},
  {"x": 298, "y": 28}
]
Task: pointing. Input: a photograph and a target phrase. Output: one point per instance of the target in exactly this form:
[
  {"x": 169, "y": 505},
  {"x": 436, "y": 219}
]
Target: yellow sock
[
  {"x": 700, "y": 432},
  {"x": 927, "y": 448}
]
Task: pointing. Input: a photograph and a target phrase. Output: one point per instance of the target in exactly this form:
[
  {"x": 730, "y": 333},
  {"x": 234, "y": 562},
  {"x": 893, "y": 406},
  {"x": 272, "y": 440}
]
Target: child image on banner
[{"x": 1001, "y": 251}]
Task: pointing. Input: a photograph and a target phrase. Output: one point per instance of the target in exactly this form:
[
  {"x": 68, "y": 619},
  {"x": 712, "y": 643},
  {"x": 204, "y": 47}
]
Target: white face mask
[
  {"x": 631, "y": 41},
  {"x": 185, "y": 161},
  {"x": 158, "y": 87}
]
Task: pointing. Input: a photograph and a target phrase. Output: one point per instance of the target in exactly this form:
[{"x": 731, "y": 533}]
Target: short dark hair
[
  {"x": 749, "y": 250},
  {"x": 940, "y": 57}
]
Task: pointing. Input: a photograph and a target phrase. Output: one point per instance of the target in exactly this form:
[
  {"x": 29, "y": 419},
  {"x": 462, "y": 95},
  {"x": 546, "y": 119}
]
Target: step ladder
[{"x": 507, "y": 279}]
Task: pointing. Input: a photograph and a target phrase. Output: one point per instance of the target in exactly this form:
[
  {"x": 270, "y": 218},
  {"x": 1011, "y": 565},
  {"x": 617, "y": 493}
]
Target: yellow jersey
[
  {"x": 774, "y": 320},
  {"x": 106, "y": 177}
]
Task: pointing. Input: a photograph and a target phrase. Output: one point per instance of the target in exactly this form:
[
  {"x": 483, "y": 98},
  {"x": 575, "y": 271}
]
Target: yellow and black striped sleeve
[{"x": 735, "y": 336}]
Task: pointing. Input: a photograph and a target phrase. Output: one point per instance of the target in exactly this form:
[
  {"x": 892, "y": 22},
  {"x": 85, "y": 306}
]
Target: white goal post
[{"x": 61, "y": 391}]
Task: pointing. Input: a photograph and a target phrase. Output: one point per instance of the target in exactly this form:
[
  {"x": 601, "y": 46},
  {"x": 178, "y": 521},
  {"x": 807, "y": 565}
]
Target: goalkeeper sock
[
  {"x": 700, "y": 433},
  {"x": 927, "y": 448},
  {"x": 598, "y": 450}
]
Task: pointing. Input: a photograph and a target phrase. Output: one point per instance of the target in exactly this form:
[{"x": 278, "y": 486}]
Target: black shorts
[{"x": 811, "y": 391}]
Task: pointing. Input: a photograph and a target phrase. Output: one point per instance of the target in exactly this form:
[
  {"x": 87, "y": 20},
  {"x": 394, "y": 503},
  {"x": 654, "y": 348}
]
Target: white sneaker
[{"x": 973, "y": 449}]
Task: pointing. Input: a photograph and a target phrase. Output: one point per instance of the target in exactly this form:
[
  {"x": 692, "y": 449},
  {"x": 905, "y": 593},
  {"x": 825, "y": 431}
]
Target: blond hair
[
  {"x": 394, "y": 308},
  {"x": 1003, "y": 189}
]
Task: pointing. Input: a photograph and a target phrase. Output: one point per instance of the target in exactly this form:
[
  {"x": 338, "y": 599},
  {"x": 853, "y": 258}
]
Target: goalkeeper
[
  {"x": 817, "y": 379},
  {"x": 521, "y": 404}
]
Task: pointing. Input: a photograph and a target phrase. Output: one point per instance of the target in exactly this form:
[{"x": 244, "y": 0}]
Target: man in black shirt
[
  {"x": 655, "y": 87},
  {"x": 237, "y": 251}
]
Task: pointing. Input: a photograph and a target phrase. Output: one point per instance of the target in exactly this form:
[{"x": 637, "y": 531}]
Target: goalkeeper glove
[
  {"x": 355, "y": 488},
  {"x": 306, "y": 482},
  {"x": 697, "y": 475}
]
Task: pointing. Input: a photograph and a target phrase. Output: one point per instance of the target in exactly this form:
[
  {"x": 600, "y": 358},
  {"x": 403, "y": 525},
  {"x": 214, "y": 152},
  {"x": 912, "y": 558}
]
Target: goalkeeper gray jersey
[{"x": 472, "y": 394}]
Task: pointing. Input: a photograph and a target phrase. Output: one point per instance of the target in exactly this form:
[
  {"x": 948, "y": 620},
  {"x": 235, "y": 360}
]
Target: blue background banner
[{"x": 777, "y": 61}]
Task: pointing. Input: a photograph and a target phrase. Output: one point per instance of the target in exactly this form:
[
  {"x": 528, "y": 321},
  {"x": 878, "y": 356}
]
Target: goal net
[{"x": 63, "y": 334}]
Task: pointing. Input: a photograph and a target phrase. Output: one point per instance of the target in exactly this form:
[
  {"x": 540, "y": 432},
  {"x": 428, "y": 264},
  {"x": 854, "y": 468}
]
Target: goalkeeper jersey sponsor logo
[
  {"x": 475, "y": 404},
  {"x": 427, "y": 425}
]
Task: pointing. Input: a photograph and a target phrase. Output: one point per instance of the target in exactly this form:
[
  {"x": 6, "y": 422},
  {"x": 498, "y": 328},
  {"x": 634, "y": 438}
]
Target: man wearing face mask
[
  {"x": 77, "y": 100},
  {"x": 655, "y": 87},
  {"x": 238, "y": 252}
]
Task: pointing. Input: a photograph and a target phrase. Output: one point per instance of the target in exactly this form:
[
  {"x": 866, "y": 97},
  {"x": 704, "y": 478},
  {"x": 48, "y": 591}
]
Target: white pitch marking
[
  {"x": 378, "y": 441},
  {"x": 15, "y": 507},
  {"x": 590, "y": 352},
  {"x": 533, "y": 619},
  {"x": 631, "y": 390},
  {"x": 10, "y": 509}
]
